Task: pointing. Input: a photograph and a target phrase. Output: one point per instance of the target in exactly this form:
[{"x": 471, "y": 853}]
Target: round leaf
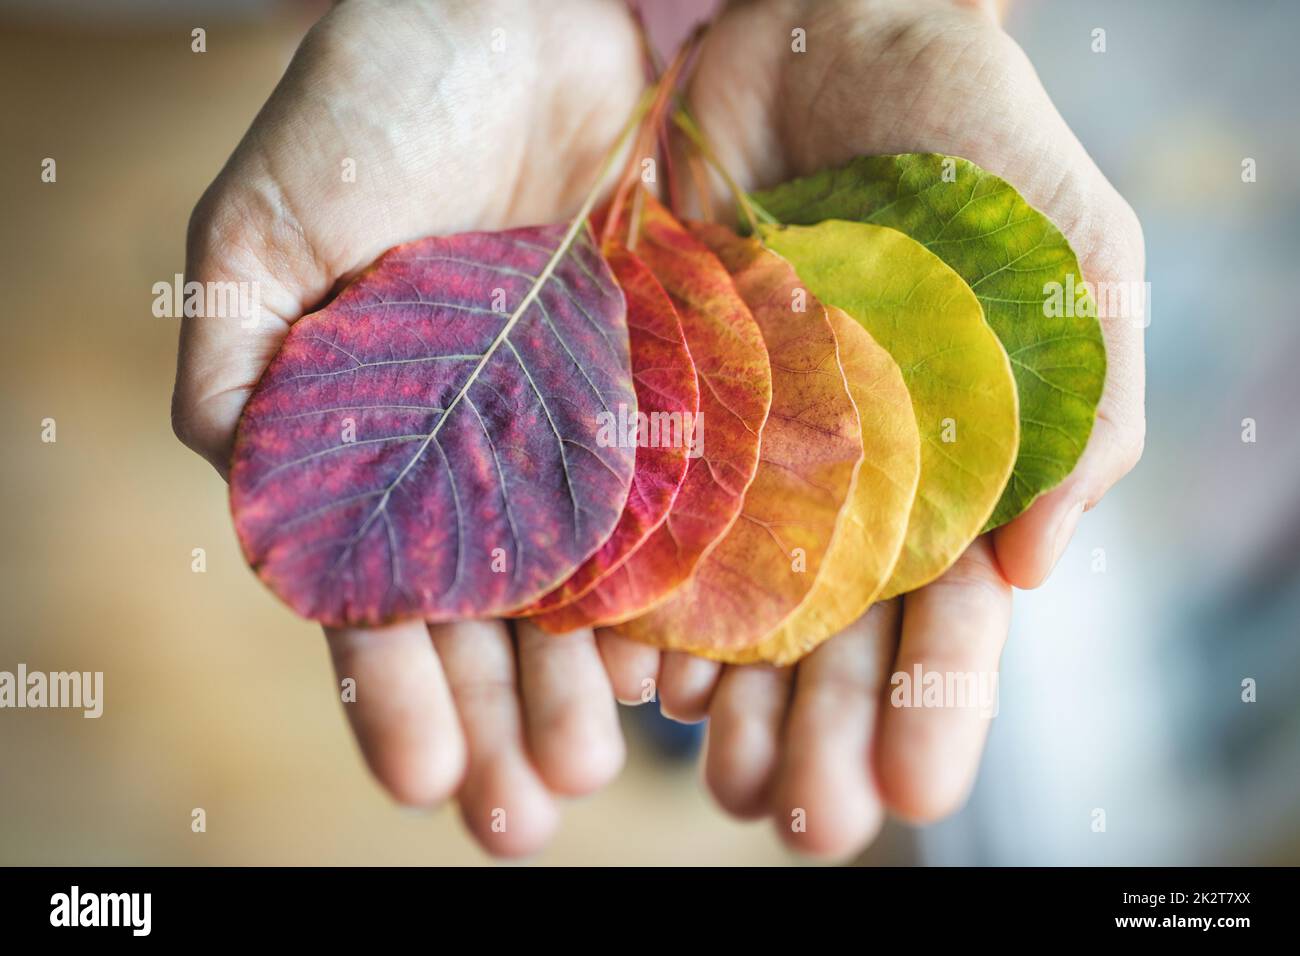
[
  {"x": 870, "y": 532},
  {"x": 1019, "y": 265},
  {"x": 963, "y": 395},
  {"x": 668, "y": 402},
  {"x": 425, "y": 446},
  {"x": 766, "y": 564},
  {"x": 735, "y": 387}
]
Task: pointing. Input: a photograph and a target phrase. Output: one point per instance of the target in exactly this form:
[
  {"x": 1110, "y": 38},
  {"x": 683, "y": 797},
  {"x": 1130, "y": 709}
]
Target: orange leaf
[
  {"x": 870, "y": 534},
  {"x": 735, "y": 386},
  {"x": 766, "y": 564},
  {"x": 667, "y": 398}
]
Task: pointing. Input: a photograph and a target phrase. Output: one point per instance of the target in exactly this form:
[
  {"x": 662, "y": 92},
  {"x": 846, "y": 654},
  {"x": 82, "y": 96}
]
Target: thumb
[
  {"x": 249, "y": 274},
  {"x": 1113, "y": 256}
]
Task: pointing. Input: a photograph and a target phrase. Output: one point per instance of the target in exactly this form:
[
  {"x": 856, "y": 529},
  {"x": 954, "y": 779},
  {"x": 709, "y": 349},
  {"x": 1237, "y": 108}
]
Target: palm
[
  {"x": 881, "y": 76},
  {"x": 873, "y": 77},
  {"x": 449, "y": 118},
  {"x": 396, "y": 121},
  {"x": 890, "y": 76}
]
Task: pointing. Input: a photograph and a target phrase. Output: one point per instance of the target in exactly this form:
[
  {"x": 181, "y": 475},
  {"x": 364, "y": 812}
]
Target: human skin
[
  {"x": 447, "y": 139},
  {"x": 879, "y": 77},
  {"x": 447, "y": 135}
]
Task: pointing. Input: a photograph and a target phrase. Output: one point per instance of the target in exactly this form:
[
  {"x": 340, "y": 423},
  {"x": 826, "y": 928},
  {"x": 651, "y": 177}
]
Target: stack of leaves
[{"x": 724, "y": 444}]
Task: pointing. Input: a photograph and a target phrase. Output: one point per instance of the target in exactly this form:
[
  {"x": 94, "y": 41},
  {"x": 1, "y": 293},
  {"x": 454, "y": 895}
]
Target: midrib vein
[{"x": 534, "y": 290}]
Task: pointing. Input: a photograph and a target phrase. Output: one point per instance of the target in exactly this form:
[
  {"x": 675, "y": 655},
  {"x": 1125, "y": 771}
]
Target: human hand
[
  {"x": 891, "y": 76},
  {"x": 451, "y": 125}
]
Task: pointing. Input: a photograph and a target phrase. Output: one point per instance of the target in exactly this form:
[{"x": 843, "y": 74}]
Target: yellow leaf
[
  {"x": 869, "y": 536},
  {"x": 766, "y": 564},
  {"x": 959, "y": 377}
]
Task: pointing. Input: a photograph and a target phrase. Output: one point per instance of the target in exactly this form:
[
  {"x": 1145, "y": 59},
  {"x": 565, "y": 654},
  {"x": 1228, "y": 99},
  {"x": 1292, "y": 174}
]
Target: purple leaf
[{"x": 425, "y": 445}]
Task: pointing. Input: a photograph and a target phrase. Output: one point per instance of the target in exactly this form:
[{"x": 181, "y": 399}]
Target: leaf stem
[
  {"x": 662, "y": 95},
  {"x": 752, "y": 210},
  {"x": 632, "y": 125}
]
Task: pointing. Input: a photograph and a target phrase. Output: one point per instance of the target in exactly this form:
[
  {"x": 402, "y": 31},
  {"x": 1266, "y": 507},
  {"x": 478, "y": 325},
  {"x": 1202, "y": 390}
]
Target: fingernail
[{"x": 1065, "y": 531}]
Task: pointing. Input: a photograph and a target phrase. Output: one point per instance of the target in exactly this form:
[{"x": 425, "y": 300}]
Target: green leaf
[
  {"x": 963, "y": 394},
  {"x": 1013, "y": 258}
]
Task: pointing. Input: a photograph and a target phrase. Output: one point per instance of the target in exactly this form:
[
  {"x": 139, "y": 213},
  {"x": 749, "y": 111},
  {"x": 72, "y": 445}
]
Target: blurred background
[{"x": 1122, "y": 682}]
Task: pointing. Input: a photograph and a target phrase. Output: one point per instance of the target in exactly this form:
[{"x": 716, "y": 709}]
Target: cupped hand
[
  {"x": 396, "y": 121},
  {"x": 818, "y": 748}
]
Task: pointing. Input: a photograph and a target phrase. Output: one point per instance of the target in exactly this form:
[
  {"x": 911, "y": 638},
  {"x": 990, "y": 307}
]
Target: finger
[
  {"x": 1107, "y": 236},
  {"x": 1112, "y": 254},
  {"x": 1029, "y": 547},
  {"x": 745, "y": 718},
  {"x": 686, "y": 686},
  {"x": 569, "y": 710},
  {"x": 826, "y": 801},
  {"x": 633, "y": 667},
  {"x": 504, "y": 802},
  {"x": 400, "y": 708},
  {"x": 953, "y": 633}
]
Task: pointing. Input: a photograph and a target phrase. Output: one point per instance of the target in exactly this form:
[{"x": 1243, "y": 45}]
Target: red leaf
[
  {"x": 471, "y": 370},
  {"x": 735, "y": 385},
  {"x": 664, "y": 376},
  {"x": 765, "y": 565}
]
